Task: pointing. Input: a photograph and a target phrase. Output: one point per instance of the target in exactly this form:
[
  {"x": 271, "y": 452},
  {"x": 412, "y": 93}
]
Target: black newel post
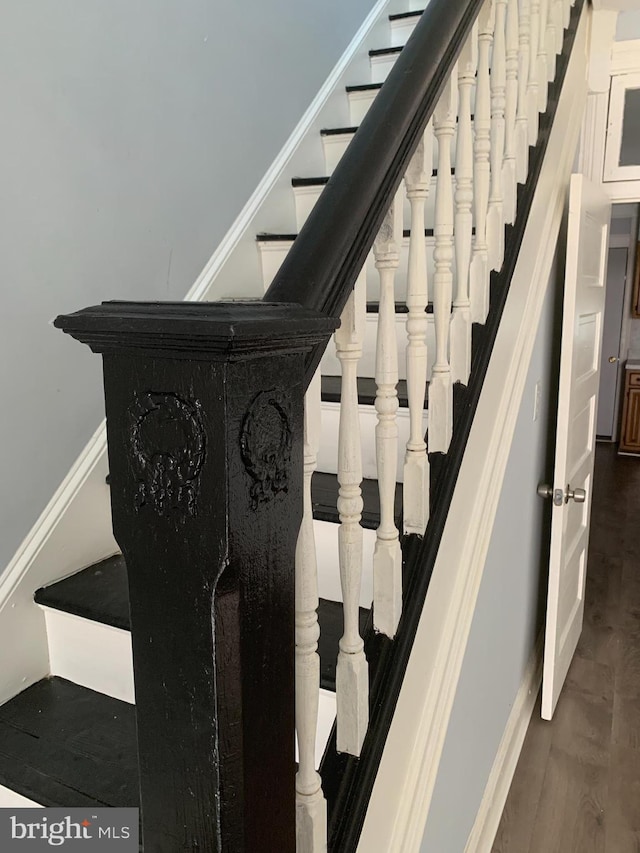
[{"x": 205, "y": 429}]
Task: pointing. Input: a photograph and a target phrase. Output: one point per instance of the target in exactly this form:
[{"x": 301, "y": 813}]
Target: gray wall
[
  {"x": 509, "y": 610},
  {"x": 628, "y": 25},
  {"x": 132, "y": 136}
]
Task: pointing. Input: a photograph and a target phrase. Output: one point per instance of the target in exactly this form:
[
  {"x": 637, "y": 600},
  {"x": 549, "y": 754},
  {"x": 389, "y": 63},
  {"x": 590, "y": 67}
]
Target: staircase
[{"x": 450, "y": 167}]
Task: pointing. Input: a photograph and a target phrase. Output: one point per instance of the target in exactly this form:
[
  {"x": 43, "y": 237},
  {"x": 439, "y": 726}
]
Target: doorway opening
[{"x": 621, "y": 325}]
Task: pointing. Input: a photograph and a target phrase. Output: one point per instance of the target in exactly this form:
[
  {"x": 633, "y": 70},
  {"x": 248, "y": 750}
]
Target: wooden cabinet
[{"x": 630, "y": 437}]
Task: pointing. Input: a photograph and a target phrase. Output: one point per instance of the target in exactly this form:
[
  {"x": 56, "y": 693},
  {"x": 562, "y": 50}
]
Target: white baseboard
[
  {"x": 91, "y": 654},
  {"x": 403, "y": 789},
  {"x": 487, "y": 820}
]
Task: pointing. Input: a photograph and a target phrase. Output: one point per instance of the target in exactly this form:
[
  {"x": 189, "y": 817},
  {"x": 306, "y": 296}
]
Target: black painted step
[
  {"x": 309, "y": 182},
  {"x": 331, "y": 387},
  {"x": 100, "y": 593},
  {"x": 385, "y": 51},
  {"x": 269, "y": 237},
  {"x": 330, "y": 617},
  {"x": 64, "y": 745},
  {"x": 400, "y": 307},
  {"x": 402, "y": 15},
  {"x": 337, "y": 131},
  {"x": 325, "y": 496},
  {"x": 364, "y": 87}
]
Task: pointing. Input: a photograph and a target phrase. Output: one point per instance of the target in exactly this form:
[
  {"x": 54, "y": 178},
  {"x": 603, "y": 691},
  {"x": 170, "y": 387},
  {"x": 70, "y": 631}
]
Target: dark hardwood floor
[{"x": 577, "y": 784}]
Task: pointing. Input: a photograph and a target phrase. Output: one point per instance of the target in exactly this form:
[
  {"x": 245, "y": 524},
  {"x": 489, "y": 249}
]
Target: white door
[{"x": 587, "y": 238}]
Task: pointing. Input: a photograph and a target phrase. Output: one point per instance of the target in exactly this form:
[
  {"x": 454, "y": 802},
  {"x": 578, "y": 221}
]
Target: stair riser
[
  {"x": 90, "y": 654},
  {"x": 359, "y": 103},
  {"x": 381, "y": 66},
  {"x": 305, "y": 202},
  {"x": 401, "y": 30},
  {"x": 328, "y": 454},
  {"x": 87, "y": 653},
  {"x": 99, "y": 656},
  {"x": 367, "y": 365},
  {"x": 11, "y": 800},
  {"x": 272, "y": 254},
  {"x": 326, "y": 534},
  {"x": 334, "y": 146}
]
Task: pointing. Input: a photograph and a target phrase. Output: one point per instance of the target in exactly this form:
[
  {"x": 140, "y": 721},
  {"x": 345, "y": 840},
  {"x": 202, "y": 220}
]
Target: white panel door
[{"x": 587, "y": 238}]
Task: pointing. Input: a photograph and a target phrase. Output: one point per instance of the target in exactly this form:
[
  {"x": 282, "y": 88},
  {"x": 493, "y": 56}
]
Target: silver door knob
[
  {"x": 560, "y": 496},
  {"x": 613, "y": 359},
  {"x": 546, "y": 491}
]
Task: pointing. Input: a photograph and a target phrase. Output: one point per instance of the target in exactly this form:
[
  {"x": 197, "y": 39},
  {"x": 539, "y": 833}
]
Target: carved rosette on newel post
[{"x": 205, "y": 432}]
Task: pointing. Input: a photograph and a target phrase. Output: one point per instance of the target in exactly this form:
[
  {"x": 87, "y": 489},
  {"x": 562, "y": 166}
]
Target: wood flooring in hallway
[{"x": 577, "y": 784}]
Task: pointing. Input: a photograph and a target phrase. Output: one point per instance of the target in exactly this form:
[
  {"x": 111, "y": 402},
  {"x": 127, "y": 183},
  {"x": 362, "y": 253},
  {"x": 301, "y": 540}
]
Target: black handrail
[{"x": 321, "y": 267}]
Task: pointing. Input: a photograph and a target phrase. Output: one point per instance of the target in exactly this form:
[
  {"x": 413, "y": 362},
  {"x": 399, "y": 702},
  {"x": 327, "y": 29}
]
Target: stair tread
[
  {"x": 264, "y": 237},
  {"x": 64, "y": 745},
  {"x": 331, "y": 390},
  {"x": 364, "y": 87},
  {"x": 385, "y": 51},
  {"x": 400, "y": 307},
  {"x": 400, "y": 15},
  {"x": 100, "y": 593},
  {"x": 325, "y": 495},
  {"x": 338, "y": 131}
]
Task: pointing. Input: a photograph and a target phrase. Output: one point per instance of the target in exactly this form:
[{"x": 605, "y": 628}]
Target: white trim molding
[
  {"x": 625, "y": 57},
  {"x": 496, "y": 791},
  {"x": 613, "y": 171},
  {"x": 401, "y": 797}
]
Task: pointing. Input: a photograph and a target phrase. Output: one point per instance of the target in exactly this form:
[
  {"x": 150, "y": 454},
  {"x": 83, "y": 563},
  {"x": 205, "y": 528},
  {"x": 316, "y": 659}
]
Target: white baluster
[
  {"x": 550, "y": 40},
  {"x": 311, "y": 806},
  {"x": 509, "y": 180},
  {"x": 495, "y": 215},
  {"x": 558, "y": 12},
  {"x": 387, "y": 557},
  {"x": 440, "y": 386},
  {"x": 479, "y": 274},
  {"x": 532, "y": 84},
  {"x": 461, "y": 318},
  {"x": 567, "y": 12},
  {"x": 543, "y": 72},
  {"x": 352, "y": 674},
  {"x": 415, "y": 501},
  {"x": 522, "y": 128}
]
